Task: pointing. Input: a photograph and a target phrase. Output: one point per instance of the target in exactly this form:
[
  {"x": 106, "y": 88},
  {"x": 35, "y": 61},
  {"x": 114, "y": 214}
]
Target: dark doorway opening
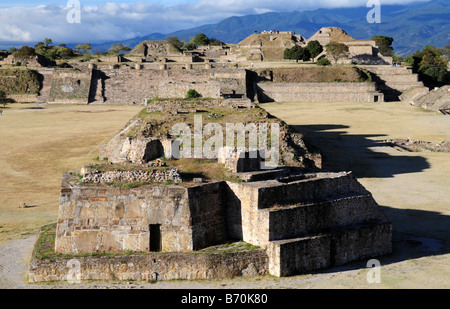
[{"x": 155, "y": 237}]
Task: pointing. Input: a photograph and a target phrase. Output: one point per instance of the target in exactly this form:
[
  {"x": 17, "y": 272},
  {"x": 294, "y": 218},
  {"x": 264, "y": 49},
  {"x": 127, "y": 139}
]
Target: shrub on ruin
[
  {"x": 189, "y": 46},
  {"x": 118, "y": 48},
  {"x": 65, "y": 53},
  {"x": 384, "y": 44},
  {"x": 323, "y": 62},
  {"x": 175, "y": 42},
  {"x": 297, "y": 53},
  {"x": 24, "y": 52},
  {"x": 431, "y": 65},
  {"x": 215, "y": 42},
  {"x": 336, "y": 51},
  {"x": 84, "y": 48},
  {"x": 200, "y": 39},
  {"x": 192, "y": 94},
  {"x": 24, "y": 81}
]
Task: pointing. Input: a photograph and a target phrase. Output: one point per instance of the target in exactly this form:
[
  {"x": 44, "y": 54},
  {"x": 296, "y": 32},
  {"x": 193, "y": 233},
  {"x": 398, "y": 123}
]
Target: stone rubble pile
[
  {"x": 418, "y": 145},
  {"x": 156, "y": 175}
]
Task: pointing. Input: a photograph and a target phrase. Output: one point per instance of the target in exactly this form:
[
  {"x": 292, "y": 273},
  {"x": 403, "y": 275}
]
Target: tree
[
  {"x": 117, "y": 48},
  {"x": 336, "y": 51},
  {"x": 445, "y": 52},
  {"x": 84, "y": 48},
  {"x": 12, "y": 50},
  {"x": 189, "y": 46},
  {"x": 215, "y": 42},
  {"x": 314, "y": 48},
  {"x": 297, "y": 53},
  {"x": 200, "y": 39},
  {"x": 65, "y": 53},
  {"x": 430, "y": 63},
  {"x": 3, "y": 97},
  {"x": 47, "y": 42},
  {"x": 384, "y": 44},
  {"x": 39, "y": 45},
  {"x": 175, "y": 42},
  {"x": 433, "y": 66}
]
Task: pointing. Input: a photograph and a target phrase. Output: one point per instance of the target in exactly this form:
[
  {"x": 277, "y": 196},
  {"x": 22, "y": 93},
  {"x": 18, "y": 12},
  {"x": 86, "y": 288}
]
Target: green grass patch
[{"x": 45, "y": 248}]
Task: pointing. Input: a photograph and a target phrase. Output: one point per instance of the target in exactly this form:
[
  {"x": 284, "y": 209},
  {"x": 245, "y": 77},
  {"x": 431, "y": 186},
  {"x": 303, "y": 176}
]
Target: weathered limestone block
[
  {"x": 123, "y": 148},
  {"x": 154, "y": 267},
  {"x": 296, "y": 256}
]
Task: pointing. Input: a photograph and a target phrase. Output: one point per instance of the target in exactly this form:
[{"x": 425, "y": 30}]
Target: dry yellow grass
[{"x": 36, "y": 147}]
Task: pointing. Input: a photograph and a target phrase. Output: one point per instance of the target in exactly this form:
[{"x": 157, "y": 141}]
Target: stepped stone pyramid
[{"x": 309, "y": 221}]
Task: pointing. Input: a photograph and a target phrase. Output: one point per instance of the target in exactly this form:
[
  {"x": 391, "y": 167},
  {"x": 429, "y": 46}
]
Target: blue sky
[
  {"x": 33, "y": 3},
  {"x": 31, "y": 21}
]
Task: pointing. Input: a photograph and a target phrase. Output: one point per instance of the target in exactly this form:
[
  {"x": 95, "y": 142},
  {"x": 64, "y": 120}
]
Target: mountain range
[{"x": 412, "y": 26}]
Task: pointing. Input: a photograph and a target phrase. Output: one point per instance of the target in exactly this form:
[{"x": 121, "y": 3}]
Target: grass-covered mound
[
  {"x": 317, "y": 75},
  {"x": 19, "y": 81}
]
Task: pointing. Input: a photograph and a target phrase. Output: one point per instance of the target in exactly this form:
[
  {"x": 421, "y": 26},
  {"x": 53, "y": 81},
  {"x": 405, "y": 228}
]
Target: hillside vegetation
[
  {"x": 17, "y": 81},
  {"x": 317, "y": 75}
]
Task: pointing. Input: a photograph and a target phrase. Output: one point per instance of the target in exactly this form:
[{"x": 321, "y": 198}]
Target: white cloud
[{"x": 118, "y": 21}]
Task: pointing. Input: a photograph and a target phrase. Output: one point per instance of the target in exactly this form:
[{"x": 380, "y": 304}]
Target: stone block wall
[
  {"x": 208, "y": 212},
  {"x": 295, "y": 221},
  {"x": 69, "y": 87},
  {"x": 361, "y": 50},
  {"x": 320, "y": 187},
  {"x": 115, "y": 219},
  {"x": 244, "y": 220},
  {"x": 364, "y": 241},
  {"x": 261, "y": 212},
  {"x": 152, "y": 267},
  {"x": 302, "y": 255},
  {"x": 126, "y": 86},
  {"x": 316, "y": 92},
  {"x": 208, "y": 89},
  {"x": 296, "y": 256}
]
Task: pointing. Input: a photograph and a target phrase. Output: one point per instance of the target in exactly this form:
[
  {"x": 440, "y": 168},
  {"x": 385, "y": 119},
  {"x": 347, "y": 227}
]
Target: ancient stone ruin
[{"x": 162, "y": 218}]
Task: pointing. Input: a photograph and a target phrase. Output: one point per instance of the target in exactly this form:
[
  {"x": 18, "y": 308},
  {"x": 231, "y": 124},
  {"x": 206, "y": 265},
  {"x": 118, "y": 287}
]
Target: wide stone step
[
  {"x": 338, "y": 247},
  {"x": 299, "y": 220}
]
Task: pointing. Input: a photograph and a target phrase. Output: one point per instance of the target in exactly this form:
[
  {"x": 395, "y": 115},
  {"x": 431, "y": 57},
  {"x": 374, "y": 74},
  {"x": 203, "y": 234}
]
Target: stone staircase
[
  {"x": 393, "y": 81},
  {"x": 44, "y": 93},
  {"x": 312, "y": 221}
]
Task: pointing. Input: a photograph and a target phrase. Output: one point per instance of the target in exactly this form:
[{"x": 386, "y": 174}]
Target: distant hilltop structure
[
  {"x": 238, "y": 71},
  {"x": 270, "y": 46}
]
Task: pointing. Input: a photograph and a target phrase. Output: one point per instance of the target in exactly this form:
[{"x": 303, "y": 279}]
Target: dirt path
[{"x": 14, "y": 257}]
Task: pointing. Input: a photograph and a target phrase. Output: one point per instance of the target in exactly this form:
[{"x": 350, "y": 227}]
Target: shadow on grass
[
  {"x": 345, "y": 152},
  {"x": 34, "y": 107},
  {"x": 416, "y": 233}
]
